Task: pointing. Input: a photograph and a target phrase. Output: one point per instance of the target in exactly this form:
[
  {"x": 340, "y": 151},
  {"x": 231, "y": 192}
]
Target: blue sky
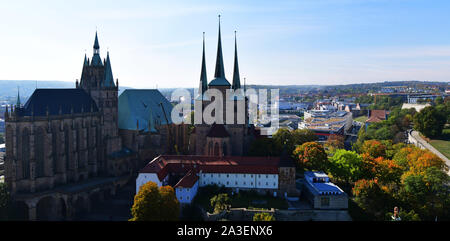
[{"x": 159, "y": 43}]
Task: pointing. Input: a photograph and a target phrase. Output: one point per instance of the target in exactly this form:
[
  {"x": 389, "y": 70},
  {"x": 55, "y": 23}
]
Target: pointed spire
[
  {"x": 18, "y": 98},
  {"x": 220, "y": 71},
  {"x": 86, "y": 62},
  {"x": 96, "y": 60},
  {"x": 96, "y": 45},
  {"x": 236, "y": 78},
  {"x": 203, "y": 79},
  {"x": 109, "y": 80}
]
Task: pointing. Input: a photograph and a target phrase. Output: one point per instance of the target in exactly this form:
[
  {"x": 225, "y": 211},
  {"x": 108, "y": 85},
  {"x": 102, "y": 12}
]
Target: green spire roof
[
  {"x": 96, "y": 60},
  {"x": 236, "y": 78},
  {"x": 96, "y": 45},
  {"x": 203, "y": 79},
  {"x": 18, "y": 98},
  {"x": 109, "y": 80},
  {"x": 219, "y": 76}
]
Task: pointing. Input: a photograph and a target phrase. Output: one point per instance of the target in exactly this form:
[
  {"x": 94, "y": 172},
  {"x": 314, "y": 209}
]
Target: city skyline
[{"x": 285, "y": 43}]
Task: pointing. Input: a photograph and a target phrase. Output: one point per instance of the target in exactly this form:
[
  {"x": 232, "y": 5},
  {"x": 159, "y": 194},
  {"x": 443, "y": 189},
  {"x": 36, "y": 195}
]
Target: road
[{"x": 425, "y": 144}]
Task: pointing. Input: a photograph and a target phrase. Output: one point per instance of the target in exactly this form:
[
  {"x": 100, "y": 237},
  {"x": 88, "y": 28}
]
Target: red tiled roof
[
  {"x": 377, "y": 115},
  {"x": 188, "y": 180},
  {"x": 179, "y": 164},
  {"x": 218, "y": 130}
]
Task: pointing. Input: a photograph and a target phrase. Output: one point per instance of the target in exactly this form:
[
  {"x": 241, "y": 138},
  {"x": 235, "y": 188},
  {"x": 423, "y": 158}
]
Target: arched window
[
  {"x": 39, "y": 146},
  {"x": 67, "y": 146},
  {"x": 216, "y": 149},
  {"x": 210, "y": 148},
  {"x": 224, "y": 150},
  {"x": 55, "y": 148},
  {"x": 25, "y": 153}
]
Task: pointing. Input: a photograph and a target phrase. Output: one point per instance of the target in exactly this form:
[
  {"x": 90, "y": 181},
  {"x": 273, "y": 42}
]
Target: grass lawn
[
  {"x": 362, "y": 118},
  {"x": 442, "y": 144}
]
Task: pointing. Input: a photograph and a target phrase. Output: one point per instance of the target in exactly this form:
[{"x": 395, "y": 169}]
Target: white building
[{"x": 235, "y": 172}]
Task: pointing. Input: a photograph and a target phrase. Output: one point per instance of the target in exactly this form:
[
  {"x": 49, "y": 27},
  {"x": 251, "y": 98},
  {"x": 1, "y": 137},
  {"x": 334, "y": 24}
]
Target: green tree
[
  {"x": 220, "y": 202},
  {"x": 5, "y": 203},
  {"x": 346, "y": 165},
  {"x": 284, "y": 138},
  {"x": 155, "y": 204},
  {"x": 263, "y": 217},
  {"x": 430, "y": 122},
  {"x": 311, "y": 156}
]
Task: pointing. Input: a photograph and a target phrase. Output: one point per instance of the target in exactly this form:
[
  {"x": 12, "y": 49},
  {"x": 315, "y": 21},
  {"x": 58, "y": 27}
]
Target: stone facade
[{"x": 63, "y": 148}]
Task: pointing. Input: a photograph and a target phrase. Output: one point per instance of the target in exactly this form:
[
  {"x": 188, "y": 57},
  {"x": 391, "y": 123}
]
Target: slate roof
[
  {"x": 188, "y": 180},
  {"x": 142, "y": 105},
  {"x": 56, "y": 99},
  {"x": 219, "y": 82},
  {"x": 218, "y": 130}
]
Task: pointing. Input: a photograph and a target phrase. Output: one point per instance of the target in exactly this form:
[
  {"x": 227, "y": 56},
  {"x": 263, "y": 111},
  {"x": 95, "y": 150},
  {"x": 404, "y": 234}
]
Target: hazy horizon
[{"x": 158, "y": 44}]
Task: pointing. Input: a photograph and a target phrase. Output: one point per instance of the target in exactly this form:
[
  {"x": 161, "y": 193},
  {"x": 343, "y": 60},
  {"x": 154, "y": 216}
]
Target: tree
[
  {"x": 284, "y": 138},
  {"x": 334, "y": 142},
  {"x": 220, "y": 202},
  {"x": 346, "y": 165},
  {"x": 374, "y": 148},
  {"x": 263, "y": 217},
  {"x": 371, "y": 197},
  {"x": 312, "y": 156},
  {"x": 430, "y": 122},
  {"x": 155, "y": 204},
  {"x": 5, "y": 203}
]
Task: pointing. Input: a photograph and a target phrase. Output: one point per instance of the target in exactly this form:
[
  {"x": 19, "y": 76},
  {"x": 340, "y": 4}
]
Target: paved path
[{"x": 423, "y": 143}]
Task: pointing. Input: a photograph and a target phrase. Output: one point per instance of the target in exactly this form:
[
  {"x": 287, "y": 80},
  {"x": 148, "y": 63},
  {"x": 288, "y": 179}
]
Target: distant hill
[{"x": 8, "y": 88}]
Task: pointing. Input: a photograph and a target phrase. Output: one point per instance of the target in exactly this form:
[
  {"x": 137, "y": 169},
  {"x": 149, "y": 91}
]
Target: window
[
  {"x": 228, "y": 183},
  {"x": 219, "y": 175},
  {"x": 236, "y": 183},
  {"x": 251, "y": 183},
  {"x": 187, "y": 189},
  {"x": 244, "y": 183},
  {"x": 251, "y": 176},
  {"x": 181, "y": 197},
  {"x": 211, "y": 175},
  {"x": 325, "y": 201},
  {"x": 244, "y": 175},
  {"x": 187, "y": 197},
  {"x": 228, "y": 175},
  {"x": 267, "y": 183},
  {"x": 267, "y": 176}
]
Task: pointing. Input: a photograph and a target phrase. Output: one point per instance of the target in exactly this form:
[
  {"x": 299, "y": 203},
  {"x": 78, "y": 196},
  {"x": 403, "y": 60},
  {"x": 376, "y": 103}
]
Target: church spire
[
  {"x": 96, "y": 60},
  {"x": 96, "y": 45},
  {"x": 18, "y": 98},
  {"x": 236, "y": 78},
  {"x": 109, "y": 80},
  {"x": 220, "y": 71},
  {"x": 203, "y": 79}
]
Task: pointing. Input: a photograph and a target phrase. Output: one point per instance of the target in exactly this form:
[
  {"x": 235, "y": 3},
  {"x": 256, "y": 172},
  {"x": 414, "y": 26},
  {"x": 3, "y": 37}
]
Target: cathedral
[
  {"x": 221, "y": 139},
  {"x": 63, "y": 147}
]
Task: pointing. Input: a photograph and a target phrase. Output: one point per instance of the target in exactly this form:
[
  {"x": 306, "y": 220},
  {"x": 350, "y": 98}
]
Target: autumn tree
[
  {"x": 155, "y": 204},
  {"x": 263, "y": 217},
  {"x": 220, "y": 202},
  {"x": 374, "y": 148},
  {"x": 334, "y": 142},
  {"x": 311, "y": 156},
  {"x": 371, "y": 197}
]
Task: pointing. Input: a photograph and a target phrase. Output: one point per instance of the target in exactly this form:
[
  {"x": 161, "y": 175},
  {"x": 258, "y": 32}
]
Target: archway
[
  {"x": 20, "y": 211},
  {"x": 62, "y": 209},
  {"x": 45, "y": 209},
  {"x": 80, "y": 207}
]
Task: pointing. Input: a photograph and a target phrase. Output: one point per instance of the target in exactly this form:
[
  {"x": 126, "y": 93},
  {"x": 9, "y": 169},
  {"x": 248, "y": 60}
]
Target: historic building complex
[
  {"x": 219, "y": 149},
  {"x": 64, "y": 149}
]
